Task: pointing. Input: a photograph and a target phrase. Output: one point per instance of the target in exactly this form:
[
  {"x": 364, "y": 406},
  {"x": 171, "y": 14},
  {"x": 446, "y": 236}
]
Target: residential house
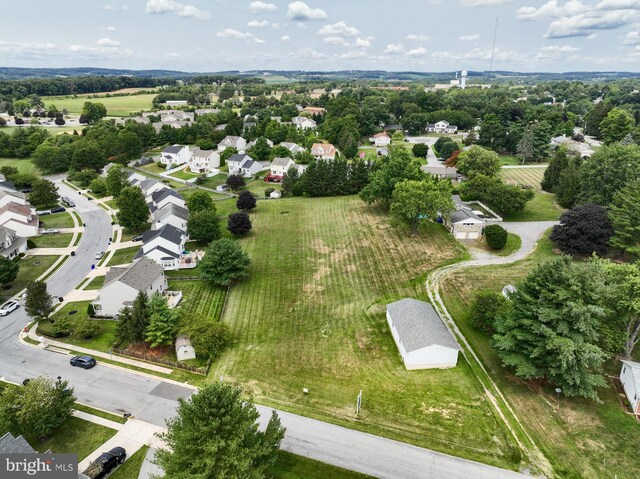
[
  {"x": 251, "y": 144},
  {"x": 170, "y": 214},
  {"x": 149, "y": 187},
  {"x": 241, "y": 164},
  {"x": 175, "y": 155},
  {"x": 441, "y": 127},
  {"x": 583, "y": 149},
  {"x": 11, "y": 245},
  {"x": 9, "y": 196},
  {"x": 203, "y": 161},
  {"x": 323, "y": 151},
  {"x": 132, "y": 177},
  {"x": 205, "y": 111},
  {"x": 423, "y": 340},
  {"x": 380, "y": 139},
  {"x": 165, "y": 196},
  {"x": 292, "y": 147},
  {"x": 464, "y": 223},
  {"x": 630, "y": 379},
  {"x": 314, "y": 110},
  {"x": 10, "y": 444},
  {"x": 20, "y": 218},
  {"x": 122, "y": 285},
  {"x": 173, "y": 124},
  {"x": 236, "y": 142},
  {"x": 184, "y": 349},
  {"x": 165, "y": 246},
  {"x": 303, "y": 123},
  {"x": 280, "y": 166},
  {"x": 442, "y": 171}
]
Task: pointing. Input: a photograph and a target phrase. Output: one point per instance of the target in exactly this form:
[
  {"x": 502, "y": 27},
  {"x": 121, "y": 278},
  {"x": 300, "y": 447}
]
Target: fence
[{"x": 161, "y": 361}]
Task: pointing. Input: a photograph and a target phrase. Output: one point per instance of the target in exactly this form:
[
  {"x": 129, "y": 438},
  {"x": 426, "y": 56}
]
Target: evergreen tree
[
  {"x": 526, "y": 147},
  {"x": 139, "y": 317},
  {"x": 163, "y": 322},
  {"x": 625, "y": 218},
  {"x": 541, "y": 141},
  {"x": 358, "y": 176},
  {"x": 124, "y": 328},
  {"x": 289, "y": 181},
  {"x": 557, "y": 166},
  {"x": 569, "y": 185}
]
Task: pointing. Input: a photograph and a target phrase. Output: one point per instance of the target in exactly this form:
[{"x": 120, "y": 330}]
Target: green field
[
  {"x": 123, "y": 256},
  {"x": 311, "y": 315},
  {"x": 581, "y": 438},
  {"x": 53, "y": 130},
  {"x": 96, "y": 283},
  {"x": 509, "y": 160},
  {"x": 524, "y": 176},
  {"x": 31, "y": 267},
  {"x": 57, "y": 220},
  {"x": 61, "y": 240},
  {"x": 75, "y": 436},
  {"x": 116, "y": 105},
  {"x": 542, "y": 207},
  {"x": 199, "y": 297},
  {"x": 290, "y": 466},
  {"x": 24, "y": 165}
]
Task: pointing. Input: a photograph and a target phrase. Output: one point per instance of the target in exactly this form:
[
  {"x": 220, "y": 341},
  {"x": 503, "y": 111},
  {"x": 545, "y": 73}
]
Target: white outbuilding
[
  {"x": 184, "y": 349},
  {"x": 630, "y": 379},
  {"x": 423, "y": 340}
]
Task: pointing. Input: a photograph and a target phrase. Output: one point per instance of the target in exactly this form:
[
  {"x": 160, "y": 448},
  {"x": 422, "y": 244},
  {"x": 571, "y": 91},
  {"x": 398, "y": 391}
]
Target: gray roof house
[
  {"x": 165, "y": 196},
  {"x": 171, "y": 214},
  {"x": 423, "y": 340},
  {"x": 165, "y": 246},
  {"x": 9, "y": 444},
  {"x": 122, "y": 285}
]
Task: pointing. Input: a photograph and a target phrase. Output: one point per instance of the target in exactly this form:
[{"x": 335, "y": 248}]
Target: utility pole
[{"x": 493, "y": 48}]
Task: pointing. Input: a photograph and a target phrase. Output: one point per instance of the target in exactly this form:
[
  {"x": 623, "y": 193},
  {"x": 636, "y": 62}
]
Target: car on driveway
[
  {"x": 51, "y": 231},
  {"x": 105, "y": 463},
  {"x": 98, "y": 255},
  {"x": 137, "y": 237},
  {"x": 58, "y": 209},
  {"x": 67, "y": 201},
  {"x": 84, "y": 362},
  {"x": 9, "y": 307}
]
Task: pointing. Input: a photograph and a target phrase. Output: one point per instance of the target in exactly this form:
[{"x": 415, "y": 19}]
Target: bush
[
  {"x": 161, "y": 165},
  {"x": 496, "y": 236},
  {"x": 486, "y": 305},
  {"x": 86, "y": 328},
  {"x": 90, "y": 311},
  {"x": 201, "y": 180},
  {"x": 208, "y": 338},
  {"x": 420, "y": 150},
  {"x": 30, "y": 244},
  {"x": 268, "y": 191}
]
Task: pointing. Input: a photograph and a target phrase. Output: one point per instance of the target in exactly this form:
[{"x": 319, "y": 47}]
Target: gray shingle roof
[
  {"x": 173, "y": 149},
  {"x": 160, "y": 195},
  {"x": 139, "y": 276},
  {"x": 168, "y": 232},
  {"x": 419, "y": 325},
  {"x": 281, "y": 161},
  {"x": 463, "y": 214},
  {"x": 15, "y": 445},
  {"x": 171, "y": 210}
]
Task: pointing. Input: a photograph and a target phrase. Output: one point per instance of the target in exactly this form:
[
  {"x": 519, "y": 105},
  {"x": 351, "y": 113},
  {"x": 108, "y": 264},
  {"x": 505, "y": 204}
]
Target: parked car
[
  {"x": 105, "y": 463},
  {"x": 84, "y": 362},
  {"x": 222, "y": 188},
  {"x": 51, "y": 231},
  {"x": 58, "y": 209},
  {"x": 26, "y": 189},
  {"x": 137, "y": 237},
  {"x": 43, "y": 212},
  {"x": 9, "y": 307},
  {"x": 67, "y": 201},
  {"x": 98, "y": 255}
]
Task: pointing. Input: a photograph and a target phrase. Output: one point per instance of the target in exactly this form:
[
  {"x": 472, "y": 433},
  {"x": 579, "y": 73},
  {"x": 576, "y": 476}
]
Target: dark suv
[
  {"x": 86, "y": 362},
  {"x": 105, "y": 463}
]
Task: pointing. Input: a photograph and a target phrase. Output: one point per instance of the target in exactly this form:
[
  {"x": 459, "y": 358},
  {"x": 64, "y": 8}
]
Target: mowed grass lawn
[
  {"x": 542, "y": 207},
  {"x": 31, "y": 267},
  {"x": 57, "y": 220},
  {"x": 116, "y": 105},
  {"x": 524, "y": 176},
  {"x": 311, "y": 315},
  {"x": 75, "y": 436},
  {"x": 581, "y": 438},
  {"x": 24, "y": 165},
  {"x": 123, "y": 256},
  {"x": 60, "y": 240}
]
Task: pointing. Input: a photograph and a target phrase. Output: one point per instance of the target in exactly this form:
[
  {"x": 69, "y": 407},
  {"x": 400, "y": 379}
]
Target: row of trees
[{"x": 327, "y": 178}]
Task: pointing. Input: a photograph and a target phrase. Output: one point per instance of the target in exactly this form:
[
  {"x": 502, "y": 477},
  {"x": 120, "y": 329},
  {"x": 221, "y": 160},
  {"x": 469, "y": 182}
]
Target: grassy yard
[
  {"x": 61, "y": 240},
  {"x": 542, "y": 207},
  {"x": 578, "y": 436},
  {"x": 199, "y": 297},
  {"x": 75, "y": 436},
  {"x": 224, "y": 206},
  {"x": 214, "y": 181},
  {"x": 311, "y": 315},
  {"x": 513, "y": 244},
  {"x": 24, "y": 165},
  {"x": 184, "y": 175},
  {"x": 131, "y": 468},
  {"x": 57, "y": 220},
  {"x": 509, "y": 160},
  {"x": 96, "y": 283},
  {"x": 290, "y": 466},
  {"x": 31, "y": 267},
  {"x": 123, "y": 256},
  {"x": 153, "y": 168},
  {"x": 116, "y": 105},
  {"x": 524, "y": 176},
  {"x": 258, "y": 186},
  {"x": 128, "y": 234}
]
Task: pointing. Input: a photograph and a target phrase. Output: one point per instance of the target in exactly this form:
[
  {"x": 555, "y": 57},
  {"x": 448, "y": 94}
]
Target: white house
[
  {"x": 11, "y": 245},
  {"x": 149, "y": 187},
  {"x": 280, "y": 166},
  {"x": 241, "y": 164},
  {"x": 630, "y": 379},
  {"x": 323, "y": 151},
  {"x": 203, "y": 161},
  {"x": 303, "y": 123},
  {"x": 184, "y": 349},
  {"x": 170, "y": 214},
  {"x": 421, "y": 337},
  {"x": 441, "y": 127},
  {"x": 19, "y": 218},
  {"x": 167, "y": 196},
  {"x": 165, "y": 246},
  {"x": 175, "y": 155},
  {"x": 122, "y": 285},
  {"x": 8, "y": 196},
  {"x": 292, "y": 147},
  {"x": 236, "y": 142},
  {"x": 380, "y": 139}
]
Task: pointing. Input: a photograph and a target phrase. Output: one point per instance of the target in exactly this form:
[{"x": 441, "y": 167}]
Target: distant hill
[{"x": 10, "y": 73}]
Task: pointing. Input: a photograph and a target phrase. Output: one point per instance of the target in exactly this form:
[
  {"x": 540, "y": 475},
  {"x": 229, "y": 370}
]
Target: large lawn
[
  {"x": 524, "y": 176},
  {"x": 116, "y": 105},
  {"x": 199, "y": 297},
  {"x": 75, "y": 436},
  {"x": 123, "y": 256},
  {"x": 61, "y": 240},
  {"x": 24, "y": 165},
  {"x": 311, "y": 315},
  {"x": 31, "y": 267},
  {"x": 57, "y": 220},
  {"x": 542, "y": 207},
  {"x": 581, "y": 439}
]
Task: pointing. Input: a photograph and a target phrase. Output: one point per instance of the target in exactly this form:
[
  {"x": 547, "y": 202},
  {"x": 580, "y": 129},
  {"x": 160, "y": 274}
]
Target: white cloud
[
  {"x": 180, "y": 9},
  {"x": 632, "y": 38},
  {"x": 107, "y": 42},
  {"x": 418, "y": 38},
  {"x": 308, "y": 53},
  {"x": 363, "y": 42},
  {"x": 394, "y": 48},
  {"x": 25, "y": 48},
  {"x": 257, "y": 24},
  {"x": 417, "y": 52},
  {"x": 99, "y": 52},
  {"x": 352, "y": 55},
  {"x": 300, "y": 11},
  {"x": 335, "y": 41},
  {"x": 257, "y": 7},
  {"x": 231, "y": 33},
  {"x": 108, "y": 28},
  {"x": 339, "y": 28},
  {"x": 559, "y": 49},
  {"x": 485, "y": 3},
  {"x": 469, "y": 38},
  {"x": 587, "y": 24},
  {"x": 285, "y": 38},
  {"x": 114, "y": 8}
]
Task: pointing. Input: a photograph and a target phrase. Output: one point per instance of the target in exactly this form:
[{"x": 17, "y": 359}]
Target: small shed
[
  {"x": 184, "y": 349},
  {"x": 630, "y": 379},
  {"x": 275, "y": 194},
  {"x": 508, "y": 290},
  {"x": 423, "y": 340}
]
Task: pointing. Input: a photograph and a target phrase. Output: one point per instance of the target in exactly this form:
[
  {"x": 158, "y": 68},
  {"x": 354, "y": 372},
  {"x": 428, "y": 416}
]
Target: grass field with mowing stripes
[
  {"x": 524, "y": 176},
  {"x": 116, "y": 105},
  {"x": 311, "y": 315}
]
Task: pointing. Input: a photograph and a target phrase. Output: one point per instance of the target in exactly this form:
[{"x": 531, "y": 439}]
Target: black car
[
  {"x": 137, "y": 238},
  {"x": 59, "y": 209},
  {"x": 105, "y": 463},
  {"x": 85, "y": 362}
]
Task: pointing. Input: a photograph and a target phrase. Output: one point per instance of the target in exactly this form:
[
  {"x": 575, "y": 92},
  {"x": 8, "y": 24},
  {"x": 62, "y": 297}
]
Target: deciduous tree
[
  {"x": 39, "y": 303},
  {"x": 478, "y": 161},
  {"x": 415, "y": 202},
  {"x": 204, "y": 225},
  {"x": 583, "y": 230},
  {"x": 8, "y": 270},
  {"x": 624, "y": 213},
  {"x": 116, "y": 180},
  {"x": 224, "y": 262},
  {"x": 246, "y": 201},
  {"x": 200, "y": 201},
  {"x": 239, "y": 223},
  {"x": 44, "y": 193},
  {"x": 133, "y": 211}
]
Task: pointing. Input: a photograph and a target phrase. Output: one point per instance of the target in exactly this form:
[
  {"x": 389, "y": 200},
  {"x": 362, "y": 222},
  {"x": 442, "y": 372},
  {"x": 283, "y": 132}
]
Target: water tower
[{"x": 463, "y": 79}]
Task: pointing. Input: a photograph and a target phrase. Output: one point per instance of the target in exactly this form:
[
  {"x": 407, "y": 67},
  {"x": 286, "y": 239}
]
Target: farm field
[
  {"x": 524, "y": 176},
  {"x": 116, "y": 105},
  {"x": 579, "y": 437},
  {"x": 24, "y": 165},
  {"x": 311, "y": 315}
]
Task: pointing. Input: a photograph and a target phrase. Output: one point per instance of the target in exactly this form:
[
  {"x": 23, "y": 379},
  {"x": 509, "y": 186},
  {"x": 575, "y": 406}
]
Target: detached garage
[
  {"x": 464, "y": 224},
  {"x": 422, "y": 338}
]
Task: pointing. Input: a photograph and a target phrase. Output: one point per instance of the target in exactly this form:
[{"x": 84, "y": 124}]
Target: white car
[
  {"x": 99, "y": 255},
  {"x": 9, "y": 307},
  {"x": 51, "y": 231}
]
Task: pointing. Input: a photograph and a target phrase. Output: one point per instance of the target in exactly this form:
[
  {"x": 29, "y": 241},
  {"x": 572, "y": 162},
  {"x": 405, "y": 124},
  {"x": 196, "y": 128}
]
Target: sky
[{"x": 405, "y": 35}]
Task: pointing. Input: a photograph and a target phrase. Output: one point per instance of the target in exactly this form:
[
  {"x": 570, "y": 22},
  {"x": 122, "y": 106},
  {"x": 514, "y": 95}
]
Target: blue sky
[{"x": 419, "y": 35}]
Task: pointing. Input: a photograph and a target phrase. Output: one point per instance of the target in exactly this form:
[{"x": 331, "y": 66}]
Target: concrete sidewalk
[
  {"x": 49, "y": 251},
  {"x": 81, "y": 295},
  {"x": 97, "y": 420}
]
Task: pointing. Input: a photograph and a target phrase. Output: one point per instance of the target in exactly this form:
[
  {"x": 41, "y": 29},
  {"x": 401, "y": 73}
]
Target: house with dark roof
[
  {"x": 10, "y": 444},
  {"x": 175, "y": 155},
  {"x": 166, "y": 196},
  {"x": 170, "y": 214},
  {"x": 165, "y": 246},
  {"x": 122, "y": 285},
  {"x": 242, "y": 164},
  {"x": 423, "y": 340}
]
